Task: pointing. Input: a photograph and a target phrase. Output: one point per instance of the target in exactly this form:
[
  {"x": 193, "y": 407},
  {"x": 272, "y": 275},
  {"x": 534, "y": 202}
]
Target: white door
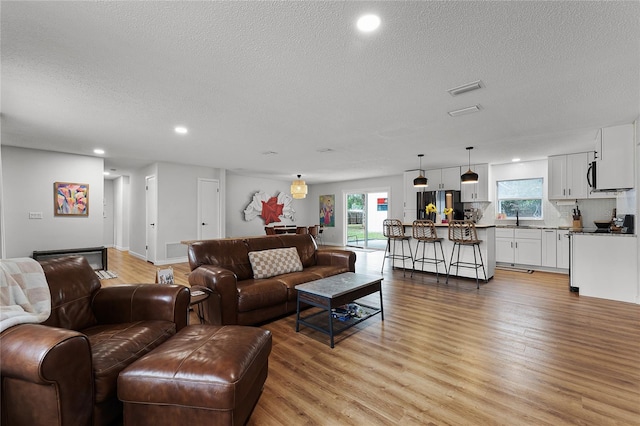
[
  {"x": 208, "y": 209},
  {"x": 151, "y": 217}
]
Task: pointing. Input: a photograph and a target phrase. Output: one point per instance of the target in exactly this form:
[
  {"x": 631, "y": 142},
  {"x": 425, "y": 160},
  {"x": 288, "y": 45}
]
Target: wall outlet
[{"x": 35, "y": 215}]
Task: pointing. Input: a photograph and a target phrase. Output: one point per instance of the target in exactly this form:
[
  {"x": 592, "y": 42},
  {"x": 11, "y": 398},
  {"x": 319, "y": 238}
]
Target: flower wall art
[
  {"x": 71, "y": 199},
  {"x": 269, "y": 208}
]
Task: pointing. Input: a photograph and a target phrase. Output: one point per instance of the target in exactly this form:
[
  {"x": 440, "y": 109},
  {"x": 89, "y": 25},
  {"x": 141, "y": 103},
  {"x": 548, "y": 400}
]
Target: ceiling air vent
[{"x": 465, "y": 88}]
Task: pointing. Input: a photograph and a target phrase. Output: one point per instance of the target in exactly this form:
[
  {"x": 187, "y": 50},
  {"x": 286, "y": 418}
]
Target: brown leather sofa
[
  {"x": 64, "y": 371},
  {"x": 236, "y": 297}
]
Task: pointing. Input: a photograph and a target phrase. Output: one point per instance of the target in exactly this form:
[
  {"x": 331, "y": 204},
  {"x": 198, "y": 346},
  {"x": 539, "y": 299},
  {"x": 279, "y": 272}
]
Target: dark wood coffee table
[{"x": 332, "y": 292}]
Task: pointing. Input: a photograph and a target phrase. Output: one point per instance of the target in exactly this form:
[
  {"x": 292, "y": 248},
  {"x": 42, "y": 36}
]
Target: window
[{"x": 522, "y": 197}]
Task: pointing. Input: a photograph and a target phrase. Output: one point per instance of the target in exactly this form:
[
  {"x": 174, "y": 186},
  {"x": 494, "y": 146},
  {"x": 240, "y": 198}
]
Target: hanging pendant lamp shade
[
  {"x": 420, "y": 181},
  {"x": 298, "y": 188},
  {"x": 469, "y": 176}
]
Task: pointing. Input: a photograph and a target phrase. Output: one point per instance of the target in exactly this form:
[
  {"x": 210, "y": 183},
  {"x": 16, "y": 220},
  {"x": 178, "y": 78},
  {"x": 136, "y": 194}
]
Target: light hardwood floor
[{"x": 522, "y": 350}]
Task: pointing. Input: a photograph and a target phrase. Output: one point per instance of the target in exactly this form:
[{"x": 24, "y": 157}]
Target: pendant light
[
  {"x": 420, "y": 181},
  {"x": 469, "y": 176},
  {"x": 298, "y": 188}
]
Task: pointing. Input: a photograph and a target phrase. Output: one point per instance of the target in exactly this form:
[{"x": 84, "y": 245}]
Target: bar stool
[
  {"x": 463, "y": 233},
  {"x": 425, "y": 232},
  {"x": 394, "y": 231},
  {"x": 269, "y": 230},
  {"x": 313, "y": 231},
  {"x": 302, "y": 230}
]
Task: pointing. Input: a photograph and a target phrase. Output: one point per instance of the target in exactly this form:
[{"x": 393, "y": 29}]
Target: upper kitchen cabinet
[
  {"x": 472, "y": 192},
  {"x": 568, "y": 176},
  {"x": 444, "y": 179},
  {"x": 614, "y": 158}
]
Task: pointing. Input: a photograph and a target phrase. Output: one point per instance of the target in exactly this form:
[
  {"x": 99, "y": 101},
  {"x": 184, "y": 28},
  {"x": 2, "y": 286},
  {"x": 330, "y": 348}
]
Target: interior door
[
  {"x": 151, "y": 191},
  {"x": 208, "y": 209}
]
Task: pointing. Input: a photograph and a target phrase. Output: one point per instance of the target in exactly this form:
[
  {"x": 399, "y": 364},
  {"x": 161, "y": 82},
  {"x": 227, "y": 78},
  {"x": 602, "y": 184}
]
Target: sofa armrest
[
  {"x": 138, "y": 302},
  {"x": 221, "y": 308},
  {"x": 47, "y": 374},
  {"x": 337, "y": 257}
]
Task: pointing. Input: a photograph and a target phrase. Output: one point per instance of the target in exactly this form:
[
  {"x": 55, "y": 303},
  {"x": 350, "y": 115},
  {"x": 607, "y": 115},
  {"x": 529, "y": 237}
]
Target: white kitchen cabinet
[
  {"x": 519, "y": 246},
  {"x": 504, "y": 246},
  {"x": 549, "y": 248},
  {"x": 410, "y": 200},
  {"x": 615, "y": 149},
  {"x": 472, "y": 192},
  {"x": 605, "y": 266},
  {"x": 444, "y": 179},
  {"x": 562, "y": 249},
  {"x": 568, "y": 176}
]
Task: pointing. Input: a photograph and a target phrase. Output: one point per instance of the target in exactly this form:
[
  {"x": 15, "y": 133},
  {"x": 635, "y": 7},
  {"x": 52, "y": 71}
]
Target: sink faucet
[{"x": 517, "y": 218}]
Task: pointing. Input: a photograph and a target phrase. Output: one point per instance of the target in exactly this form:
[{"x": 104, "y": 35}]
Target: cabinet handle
[
  {"x": 569, "y": 191},
  {"x": 564, "y": 192}
]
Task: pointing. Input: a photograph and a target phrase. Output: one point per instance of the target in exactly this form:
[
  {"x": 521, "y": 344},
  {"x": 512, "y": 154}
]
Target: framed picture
[
  {"x": 165, "y": 276},
  {"x": 327, "y": 203},
  {"x": 71, "y": 199}
]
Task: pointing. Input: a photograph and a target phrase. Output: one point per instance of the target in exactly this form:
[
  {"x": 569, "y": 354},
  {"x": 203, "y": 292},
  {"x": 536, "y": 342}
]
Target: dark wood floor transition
[{"x": 522, "y": 350}]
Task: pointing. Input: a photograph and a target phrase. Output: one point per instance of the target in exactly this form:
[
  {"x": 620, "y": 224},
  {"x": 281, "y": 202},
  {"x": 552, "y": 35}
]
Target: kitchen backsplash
[{"x": 557, "y": 215}]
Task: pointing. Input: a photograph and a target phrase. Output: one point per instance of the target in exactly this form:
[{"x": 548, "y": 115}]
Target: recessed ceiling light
[
  {"x": 368, "y": 23},
  {"x": 467, "y": 110},
  {"x": 269, "y": 153},
  {"x": 181, "y": 130},
  {"x": 515, "y": 160},
  {"x": 465, "y": 88},
  {"x": 98, "y": 151},
  {"x": 324, "y": 150},
  {"x": 106, "y": 173}
]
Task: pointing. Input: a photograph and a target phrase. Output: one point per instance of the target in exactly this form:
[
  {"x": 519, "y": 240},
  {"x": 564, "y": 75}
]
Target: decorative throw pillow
[{"x": 269, "y": 263}]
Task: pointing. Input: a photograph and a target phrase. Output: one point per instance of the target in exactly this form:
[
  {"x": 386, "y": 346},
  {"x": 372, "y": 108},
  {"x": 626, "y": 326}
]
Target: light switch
[{"x": 35, "y": 215}]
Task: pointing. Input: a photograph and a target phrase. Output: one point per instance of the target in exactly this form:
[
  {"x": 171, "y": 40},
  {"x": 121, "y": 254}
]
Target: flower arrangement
[
  {"x": 431, "y": 208},
  {"x": 447, "y": 211}
]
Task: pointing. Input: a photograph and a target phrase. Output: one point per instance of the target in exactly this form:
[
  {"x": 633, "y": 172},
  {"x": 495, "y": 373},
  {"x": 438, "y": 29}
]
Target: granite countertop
[
  {"x": 446, "y": 225},
  {"x": 601, "y": 234}
]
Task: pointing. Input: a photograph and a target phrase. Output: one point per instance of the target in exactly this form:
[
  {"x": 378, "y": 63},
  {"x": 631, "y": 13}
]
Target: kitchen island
[
  {"x": 486, "y": 233},
  {"x": 605, "y": 266}
]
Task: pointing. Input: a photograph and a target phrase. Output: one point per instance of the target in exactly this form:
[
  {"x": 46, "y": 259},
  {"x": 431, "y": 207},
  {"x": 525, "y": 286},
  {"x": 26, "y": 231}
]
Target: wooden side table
[{"x": 199, "y": 295}]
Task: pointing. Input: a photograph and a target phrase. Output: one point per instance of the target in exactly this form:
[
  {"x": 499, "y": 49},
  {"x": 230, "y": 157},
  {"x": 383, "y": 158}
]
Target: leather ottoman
[{"x": 204, "y": 375}]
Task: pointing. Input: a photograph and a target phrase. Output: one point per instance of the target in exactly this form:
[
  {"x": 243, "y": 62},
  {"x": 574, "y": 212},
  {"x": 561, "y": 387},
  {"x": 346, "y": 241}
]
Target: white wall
[
  {"x": 122, "y": 212},
  {"x": 240, "y": 191},
  {"x": 108, "y": 222},
  {"x": 393, "y": 185},
  {"x": 176, "y": 207},
  {"x": 28, "y": 177}
]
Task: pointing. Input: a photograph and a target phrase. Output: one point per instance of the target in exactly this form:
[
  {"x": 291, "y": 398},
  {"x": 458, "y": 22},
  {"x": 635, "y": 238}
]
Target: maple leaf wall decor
[{"x": 269, "y": 208}]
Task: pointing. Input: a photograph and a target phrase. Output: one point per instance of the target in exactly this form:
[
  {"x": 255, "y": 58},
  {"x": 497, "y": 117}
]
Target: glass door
[{"x": 365, "y": 213}]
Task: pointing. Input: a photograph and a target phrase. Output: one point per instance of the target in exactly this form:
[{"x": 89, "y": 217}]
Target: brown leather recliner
[{"x": 65, "y": 370}]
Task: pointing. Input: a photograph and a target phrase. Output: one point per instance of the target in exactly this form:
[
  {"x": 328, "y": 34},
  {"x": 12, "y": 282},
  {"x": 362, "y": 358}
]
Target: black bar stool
[
  {"x": 425, "y": 232},
  {"x": 394, "y": 231},
  {"x": 463, "y": 233}
]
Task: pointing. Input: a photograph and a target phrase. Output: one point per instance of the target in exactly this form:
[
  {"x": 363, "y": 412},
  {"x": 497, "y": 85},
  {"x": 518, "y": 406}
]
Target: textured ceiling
[{"x": 297, "y": 79}]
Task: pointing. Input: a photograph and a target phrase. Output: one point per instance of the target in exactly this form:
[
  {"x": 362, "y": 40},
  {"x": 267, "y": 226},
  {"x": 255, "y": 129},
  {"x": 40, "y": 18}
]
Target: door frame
[
  {"x": 151, "y": 255},
  {"x": 367, "y": 192}
]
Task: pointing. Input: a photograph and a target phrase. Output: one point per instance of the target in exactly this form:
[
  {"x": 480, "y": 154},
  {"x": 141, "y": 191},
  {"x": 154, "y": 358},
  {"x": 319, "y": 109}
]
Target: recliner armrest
[
  {"x": 221, "y": 308},
  {"x": 138, "y": 302},
  {"x": 46, "y": 374},
  {"x": 337, "y": 257}
]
